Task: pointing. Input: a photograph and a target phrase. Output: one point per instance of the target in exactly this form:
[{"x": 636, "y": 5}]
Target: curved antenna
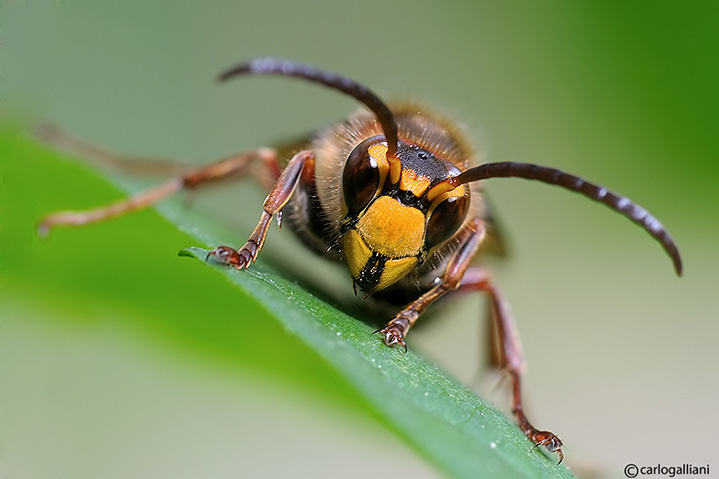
[
  {"x": 618, "y": 203},
  {"x": 277, "y": 66}
]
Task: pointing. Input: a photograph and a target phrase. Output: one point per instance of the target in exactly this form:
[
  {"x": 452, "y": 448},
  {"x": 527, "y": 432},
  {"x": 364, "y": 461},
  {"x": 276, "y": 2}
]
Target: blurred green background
[{"x": 621, "y": 354}]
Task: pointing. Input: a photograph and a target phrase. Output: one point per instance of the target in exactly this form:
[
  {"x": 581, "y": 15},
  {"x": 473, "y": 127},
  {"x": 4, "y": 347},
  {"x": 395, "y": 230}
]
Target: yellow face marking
[
  {"x": 357, "y": 252},
  {"x": 392, "y": 229},
  {"x": 459, "y": 191},
  {"x": 379, "y": 152},
  {"x": 441, "y": 187},
  {"x": 394, "y": 270},
  {"x": 410, "y": 181}
]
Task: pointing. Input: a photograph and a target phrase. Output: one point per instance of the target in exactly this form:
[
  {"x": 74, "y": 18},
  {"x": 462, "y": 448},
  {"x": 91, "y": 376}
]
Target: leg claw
[
  {"x": 239, "y": 259},
  {"x": 550, "y": 441},
  {"x": 392, "y": 337}
]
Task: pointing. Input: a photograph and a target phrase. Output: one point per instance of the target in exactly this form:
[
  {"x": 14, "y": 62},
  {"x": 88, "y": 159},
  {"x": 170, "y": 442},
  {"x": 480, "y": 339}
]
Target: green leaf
[
  {"x": 450, "y": 425},
  {"x": 443, "y": 421}
]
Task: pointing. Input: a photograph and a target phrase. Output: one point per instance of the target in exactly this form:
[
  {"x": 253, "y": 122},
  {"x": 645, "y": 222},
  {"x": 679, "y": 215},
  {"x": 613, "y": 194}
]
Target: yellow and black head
[
  {"x": 401, "y": 201},
  {"x": 394, "y": 215}
]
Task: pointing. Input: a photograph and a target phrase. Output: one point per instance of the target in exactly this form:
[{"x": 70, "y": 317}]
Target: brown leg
[
  {"x": 108, "y": 160},
  {"x": 458, "y": 277},
  {"x": 281, "y": 184},
  {"x": 300, "y": 167},
  {"x": 230, "y": 167},
  {"x": 396, "y": 330},
  {"x": 509, "y": 355}
]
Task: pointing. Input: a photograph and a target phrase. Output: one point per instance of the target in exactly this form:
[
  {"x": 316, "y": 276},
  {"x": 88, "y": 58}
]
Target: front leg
[
  {"x": 396, "y": 330},
  {"x": 459, "y": 277},
  {"x": 300, "y": 169}
]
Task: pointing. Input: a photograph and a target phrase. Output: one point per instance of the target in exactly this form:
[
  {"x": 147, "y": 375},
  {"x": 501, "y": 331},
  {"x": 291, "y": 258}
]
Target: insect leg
[
  {"x": 458, "y": 277},
  {"x": 396, "y": 330},
  {"x": 300, "y": 168},
  {"x": 509, "y": 355},
  {"x": 108, "y": 160},
  {"x": 230, "y": 167}
]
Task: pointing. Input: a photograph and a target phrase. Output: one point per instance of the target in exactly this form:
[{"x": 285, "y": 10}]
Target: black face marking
[
  {"x": 348, "y": 222},
  {"x": 370, "y": 275},
  {"x": 423, "y": 163},
  {"x": 407, "y": 198}
]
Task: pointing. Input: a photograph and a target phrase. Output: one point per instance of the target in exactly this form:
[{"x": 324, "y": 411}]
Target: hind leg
[{"x": 262, "y": 163}]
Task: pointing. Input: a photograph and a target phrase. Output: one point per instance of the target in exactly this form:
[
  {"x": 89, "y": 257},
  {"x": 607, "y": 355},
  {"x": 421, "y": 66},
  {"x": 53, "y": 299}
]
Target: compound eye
[
  {"x": 362, "y": 173},
  {"x": 446, "y": 218}
]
